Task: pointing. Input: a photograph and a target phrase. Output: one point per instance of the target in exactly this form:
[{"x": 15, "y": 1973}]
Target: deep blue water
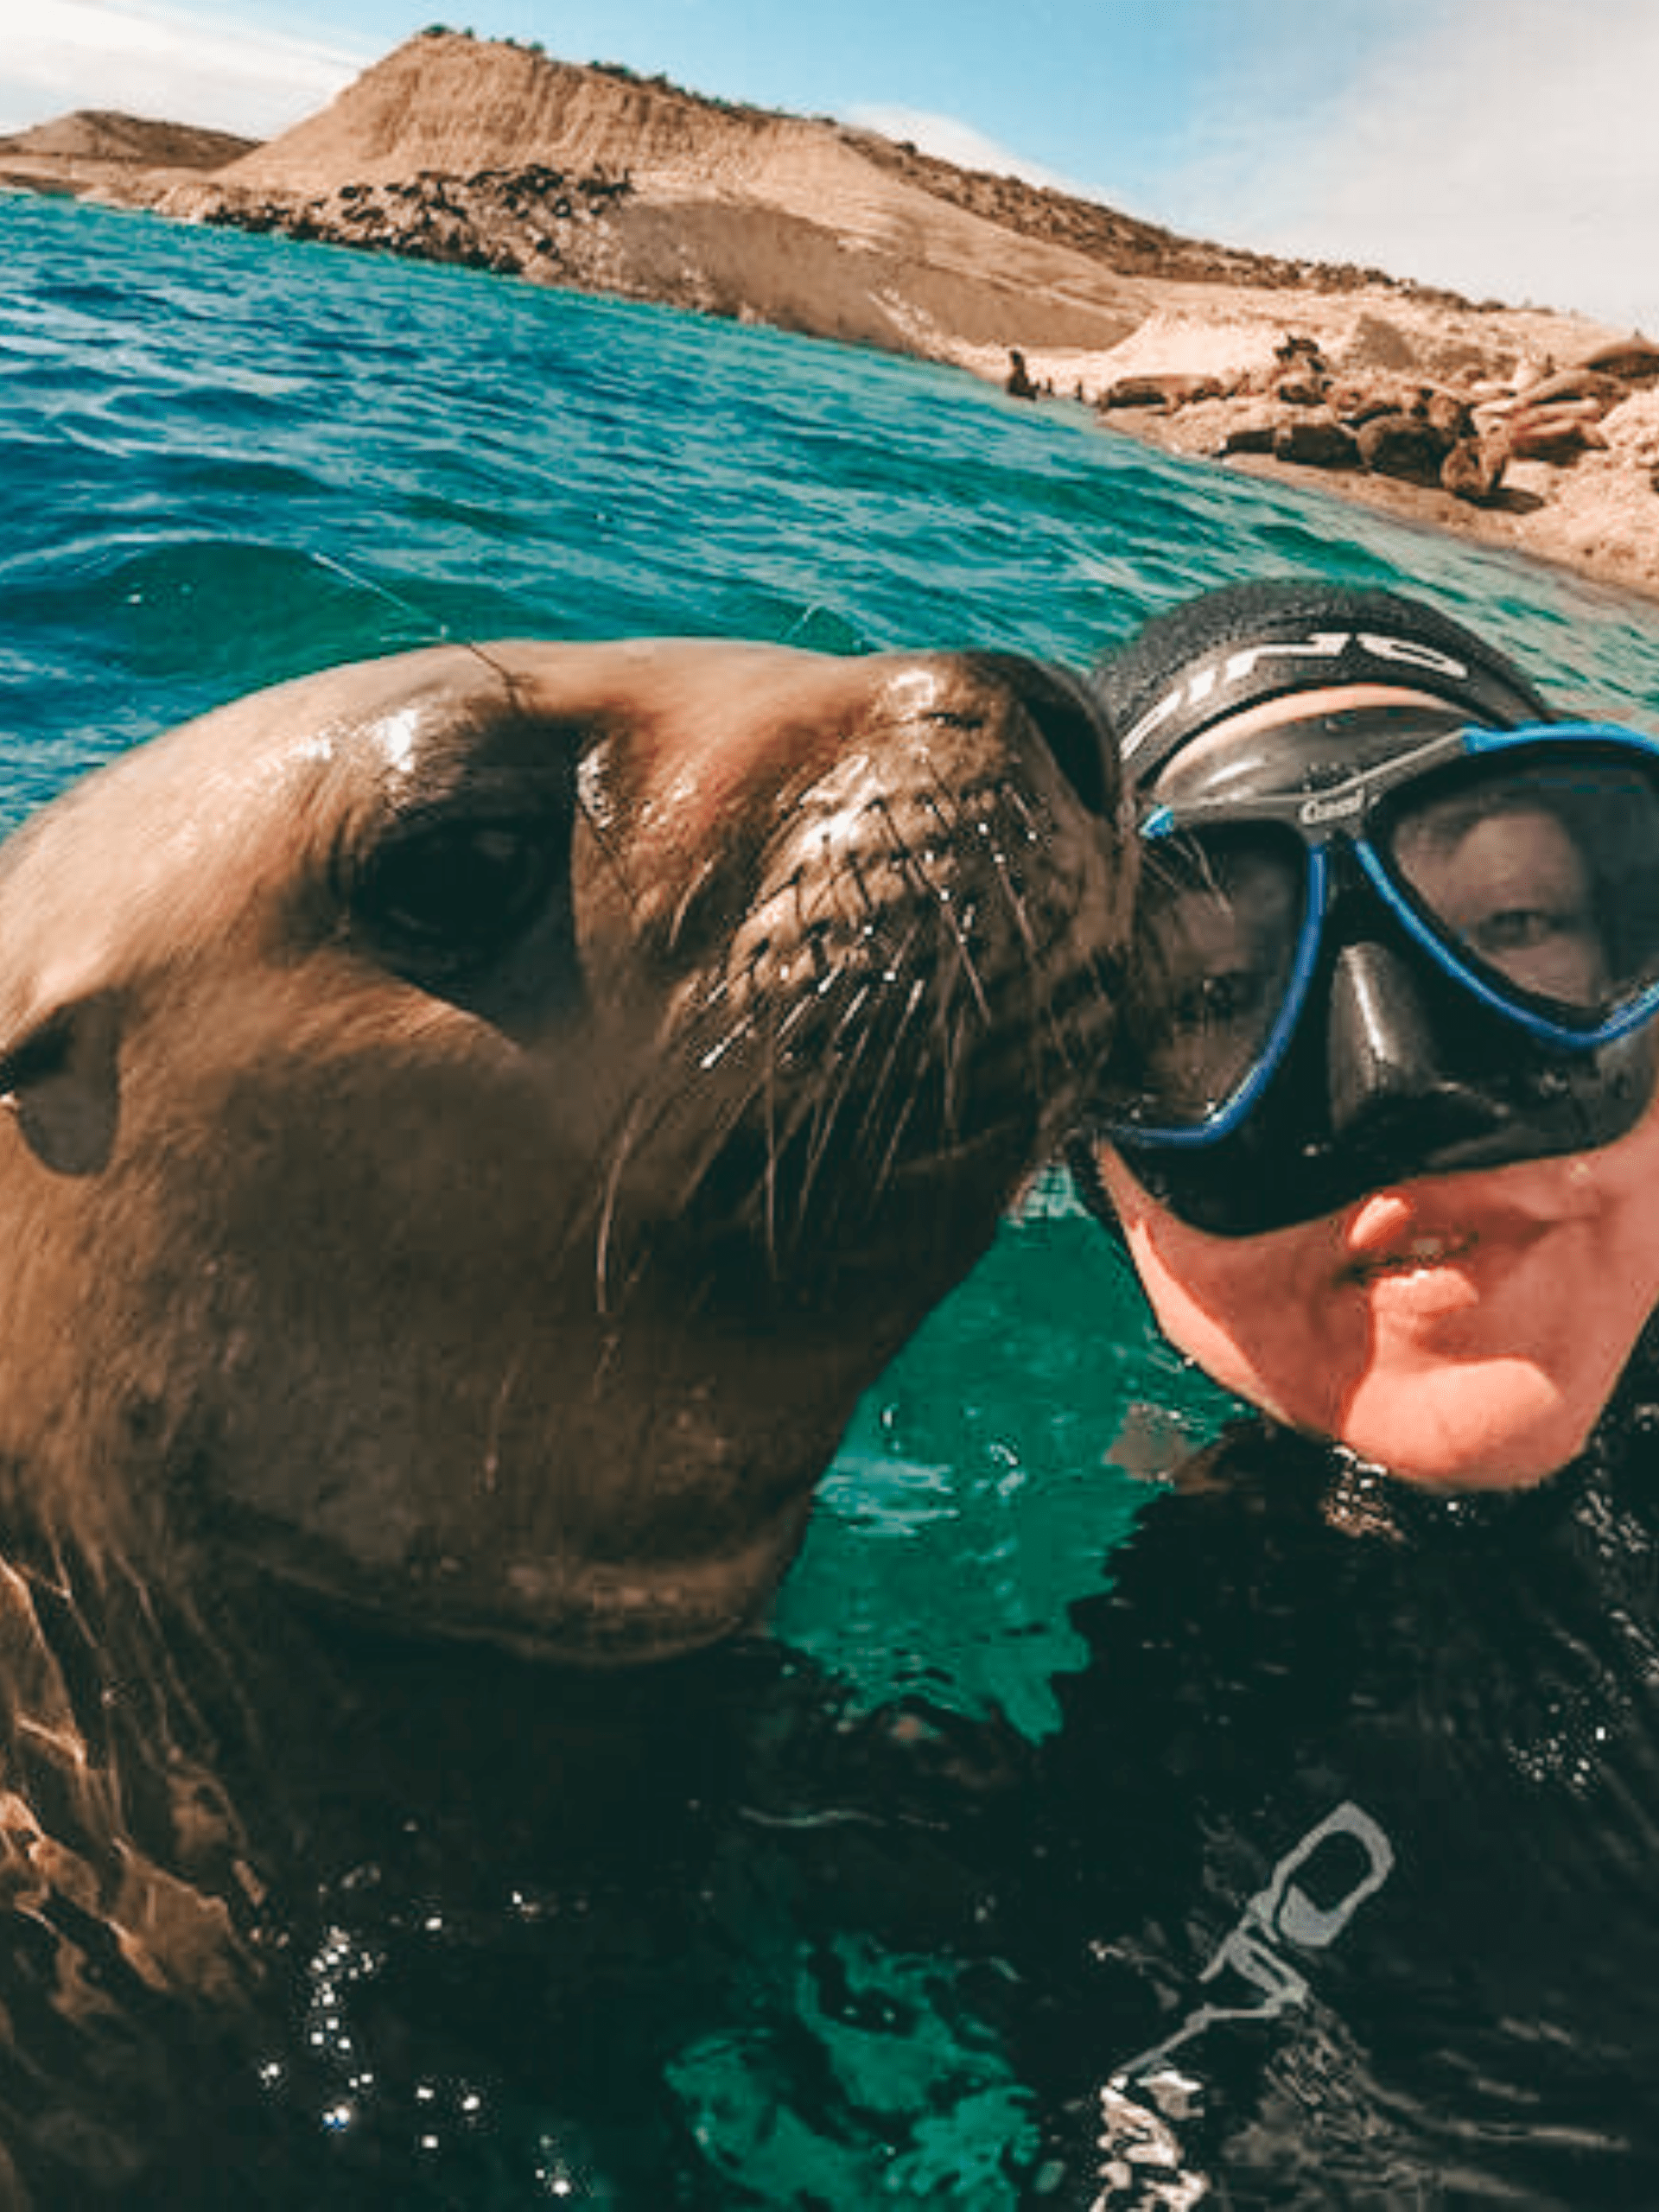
[{"x": 227, "y": 461}]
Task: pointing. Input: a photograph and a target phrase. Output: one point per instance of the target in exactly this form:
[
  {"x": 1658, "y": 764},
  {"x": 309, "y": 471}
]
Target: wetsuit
[{"x": 1343, "y": 1860}]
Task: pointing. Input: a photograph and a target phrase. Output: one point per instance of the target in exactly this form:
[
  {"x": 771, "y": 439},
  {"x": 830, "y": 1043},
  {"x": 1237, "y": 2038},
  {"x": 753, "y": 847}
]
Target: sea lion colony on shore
[
  {"x": 477, "y": 1122},
  {"x": 1458, "y": 436}
]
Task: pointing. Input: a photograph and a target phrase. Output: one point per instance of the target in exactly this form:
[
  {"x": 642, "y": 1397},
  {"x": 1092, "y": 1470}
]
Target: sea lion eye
[{"x": 458, "y": 894}]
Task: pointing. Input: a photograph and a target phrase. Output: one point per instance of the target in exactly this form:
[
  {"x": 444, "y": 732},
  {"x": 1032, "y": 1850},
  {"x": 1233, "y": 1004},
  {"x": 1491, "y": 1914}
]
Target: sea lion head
[{"x": 479, "y": 1119}]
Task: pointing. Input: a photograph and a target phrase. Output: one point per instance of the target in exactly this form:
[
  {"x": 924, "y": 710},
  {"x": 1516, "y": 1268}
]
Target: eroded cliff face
[
  {"x": 494, "y": 155},
  {"x": 445, "y": 101}
]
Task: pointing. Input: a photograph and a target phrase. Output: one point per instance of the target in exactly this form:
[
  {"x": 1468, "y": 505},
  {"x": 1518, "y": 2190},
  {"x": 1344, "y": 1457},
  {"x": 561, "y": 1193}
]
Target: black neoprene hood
[{"x": 1214, "y": 657}]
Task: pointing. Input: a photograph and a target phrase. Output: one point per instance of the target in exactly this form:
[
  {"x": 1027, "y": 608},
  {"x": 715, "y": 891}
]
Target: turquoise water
[{"x": 228, "y": 460}]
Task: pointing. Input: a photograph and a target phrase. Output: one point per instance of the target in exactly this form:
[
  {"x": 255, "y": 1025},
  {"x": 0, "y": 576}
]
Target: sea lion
[
  {"x": 475, "y": 1122},
  {"x": 479, "y": 1119}
]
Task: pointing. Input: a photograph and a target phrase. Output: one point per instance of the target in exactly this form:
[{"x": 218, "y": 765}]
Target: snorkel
[{"x": 1379, "y": 1053}]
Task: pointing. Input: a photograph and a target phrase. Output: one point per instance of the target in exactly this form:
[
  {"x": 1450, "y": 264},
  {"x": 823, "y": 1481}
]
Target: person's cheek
[{"x": 1257, "y": 1313}]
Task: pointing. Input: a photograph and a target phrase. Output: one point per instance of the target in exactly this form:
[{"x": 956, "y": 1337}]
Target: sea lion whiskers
[
  {"x": 1018, "y": 907},
  {"x": 695, "y": 886},
  {"x": 855, "y": 870},
  {"x": 778, "y": 1124},
  {"x": 626, "y": 1140},
  {"x": 855, "y": 1060},
  {"x": 825, "y": 1108},
  {"x": 944, "y": 893},
  {"x": 848, "y": 1047},
  {"x": 428, "y": 631},
  {"x": 490, "y": 1463},
  {"x": 1053, "y": 998},
  {"x": 808, "y": 1120},
  {"x": 821, "y": 1112},
  {"x": 816, "y": 1118},
  {"x": 887, "y": 1166}
]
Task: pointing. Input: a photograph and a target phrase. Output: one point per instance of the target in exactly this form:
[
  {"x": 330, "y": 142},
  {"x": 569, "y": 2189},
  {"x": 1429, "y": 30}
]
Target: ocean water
[{"x": 227, "y": 461}]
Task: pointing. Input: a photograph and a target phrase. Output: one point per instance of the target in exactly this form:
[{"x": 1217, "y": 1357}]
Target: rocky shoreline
[
  {"x": 1532, "y": 430},
  {"x": 1461, "y": 440},
  {"x": 534, "y": 221}
]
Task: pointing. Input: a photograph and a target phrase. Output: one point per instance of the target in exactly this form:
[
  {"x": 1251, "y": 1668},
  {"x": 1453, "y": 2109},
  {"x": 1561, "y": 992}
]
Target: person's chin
[{"x": 1509, "y": 1429}]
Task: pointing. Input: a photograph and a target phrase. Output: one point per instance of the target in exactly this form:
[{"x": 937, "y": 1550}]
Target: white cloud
[
  {"x": 1507, "y": 148},
  {"x": 164, "y": 62}
]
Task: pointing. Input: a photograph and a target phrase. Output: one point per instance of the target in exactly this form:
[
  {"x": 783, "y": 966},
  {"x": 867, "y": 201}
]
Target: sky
[{"x": 1501, "y": 146}]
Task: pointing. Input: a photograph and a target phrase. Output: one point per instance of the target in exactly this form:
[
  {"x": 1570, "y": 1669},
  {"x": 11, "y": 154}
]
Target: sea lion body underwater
[{"x": 478, "y": 1120}]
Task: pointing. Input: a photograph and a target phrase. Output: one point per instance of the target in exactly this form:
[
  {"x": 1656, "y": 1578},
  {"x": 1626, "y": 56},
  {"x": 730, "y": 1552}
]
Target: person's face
[{"x": 1463, "y": 1330}]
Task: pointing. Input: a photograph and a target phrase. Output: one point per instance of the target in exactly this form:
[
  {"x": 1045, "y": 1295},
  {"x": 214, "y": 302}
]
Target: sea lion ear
[{"x": 61, "y": 1078}]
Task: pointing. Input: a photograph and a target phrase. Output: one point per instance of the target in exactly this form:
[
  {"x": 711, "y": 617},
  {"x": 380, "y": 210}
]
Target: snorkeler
[
  {"x": 1383, "y": 1157},
  {"x": 1340, "y": 1862}
]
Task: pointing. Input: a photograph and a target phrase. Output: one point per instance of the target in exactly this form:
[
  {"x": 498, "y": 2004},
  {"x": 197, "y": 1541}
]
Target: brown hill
[
  {"x": 734, "y": 209},
  {"x": 94, "y": 146},
  {"x": 99, "y": 135},
  {"x": 445, "y": 100}
]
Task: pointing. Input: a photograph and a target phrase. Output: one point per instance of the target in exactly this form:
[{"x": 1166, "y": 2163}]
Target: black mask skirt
[{"x": 1393, "y": 1074}]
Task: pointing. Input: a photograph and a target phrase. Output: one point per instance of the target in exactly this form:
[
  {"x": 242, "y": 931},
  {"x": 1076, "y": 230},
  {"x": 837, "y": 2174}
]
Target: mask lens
[
  {"x": 1542, "y": 877},
  {"x": 1221, "y": 918}
]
